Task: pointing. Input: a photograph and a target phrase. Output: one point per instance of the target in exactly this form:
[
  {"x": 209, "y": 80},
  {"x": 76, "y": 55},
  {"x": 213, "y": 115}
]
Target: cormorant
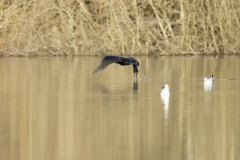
[{"x": 107, "y": 60}]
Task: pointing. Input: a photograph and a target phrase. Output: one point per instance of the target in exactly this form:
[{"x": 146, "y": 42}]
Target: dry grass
[{"x": 119, "y": 27}]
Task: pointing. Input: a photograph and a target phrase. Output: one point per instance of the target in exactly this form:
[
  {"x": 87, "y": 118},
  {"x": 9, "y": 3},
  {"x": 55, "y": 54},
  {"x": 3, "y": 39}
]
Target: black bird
[{"x": 119, "y": 60}]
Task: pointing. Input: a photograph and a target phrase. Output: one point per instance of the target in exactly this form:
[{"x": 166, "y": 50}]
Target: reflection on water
[
  {"x": 54, "y": 108},
  {"x": 208, "y": 86},
  {"x": 135, "y": 86}
]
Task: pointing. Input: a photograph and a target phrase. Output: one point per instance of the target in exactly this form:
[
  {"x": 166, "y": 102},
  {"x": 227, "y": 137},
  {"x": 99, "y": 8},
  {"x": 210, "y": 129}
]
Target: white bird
[
  {"x": 208, "y": 80},
  {"x": 165, "y": 95},
  {"x": 209, "y": 83},
  {"x": 165, "y": 91}
]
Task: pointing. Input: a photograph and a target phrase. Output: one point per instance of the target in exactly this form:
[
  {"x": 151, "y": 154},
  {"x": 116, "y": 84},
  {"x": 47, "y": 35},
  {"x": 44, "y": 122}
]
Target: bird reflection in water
[
  {"x": 135, "y": 86},
  {"x": 165, "y": 95},
  {"x": 106, "y": 90}
]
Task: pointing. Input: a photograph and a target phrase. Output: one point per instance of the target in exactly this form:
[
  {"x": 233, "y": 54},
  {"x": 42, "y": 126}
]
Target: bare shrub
[{"x": 119, "y": 27}]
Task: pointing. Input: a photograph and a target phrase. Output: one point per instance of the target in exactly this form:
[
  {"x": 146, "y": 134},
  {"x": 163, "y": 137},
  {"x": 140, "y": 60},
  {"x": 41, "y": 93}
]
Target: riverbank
[{"x": 33, "y": 28}]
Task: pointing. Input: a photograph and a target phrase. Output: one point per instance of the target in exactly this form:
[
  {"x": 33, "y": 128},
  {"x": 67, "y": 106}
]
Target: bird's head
[
  {"x": 133, "y": 61},
  {"x": 165, "y": 86}
]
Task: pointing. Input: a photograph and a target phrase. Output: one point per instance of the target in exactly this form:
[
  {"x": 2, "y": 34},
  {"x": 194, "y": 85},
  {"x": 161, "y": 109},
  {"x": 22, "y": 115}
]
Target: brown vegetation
[{"x": 119, "y": 27}]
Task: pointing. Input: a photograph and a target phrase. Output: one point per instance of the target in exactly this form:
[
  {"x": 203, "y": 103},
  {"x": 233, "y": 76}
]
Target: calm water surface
[{"x": 55, "y": 108}]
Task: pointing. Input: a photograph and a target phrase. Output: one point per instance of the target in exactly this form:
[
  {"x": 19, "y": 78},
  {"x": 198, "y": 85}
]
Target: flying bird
[{"x": 107, "y": 60}]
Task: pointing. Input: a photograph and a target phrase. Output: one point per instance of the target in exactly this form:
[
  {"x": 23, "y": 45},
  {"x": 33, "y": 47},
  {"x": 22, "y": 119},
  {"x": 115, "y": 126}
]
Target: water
[{"x": 55, "y": 108}]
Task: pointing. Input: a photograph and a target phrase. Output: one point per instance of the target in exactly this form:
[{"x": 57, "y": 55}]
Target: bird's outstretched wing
[{"x": 105, "y": 62}]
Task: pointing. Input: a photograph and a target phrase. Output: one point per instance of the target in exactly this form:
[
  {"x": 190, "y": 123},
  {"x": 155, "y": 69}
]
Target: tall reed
[{"x": 119, "y": 27}]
